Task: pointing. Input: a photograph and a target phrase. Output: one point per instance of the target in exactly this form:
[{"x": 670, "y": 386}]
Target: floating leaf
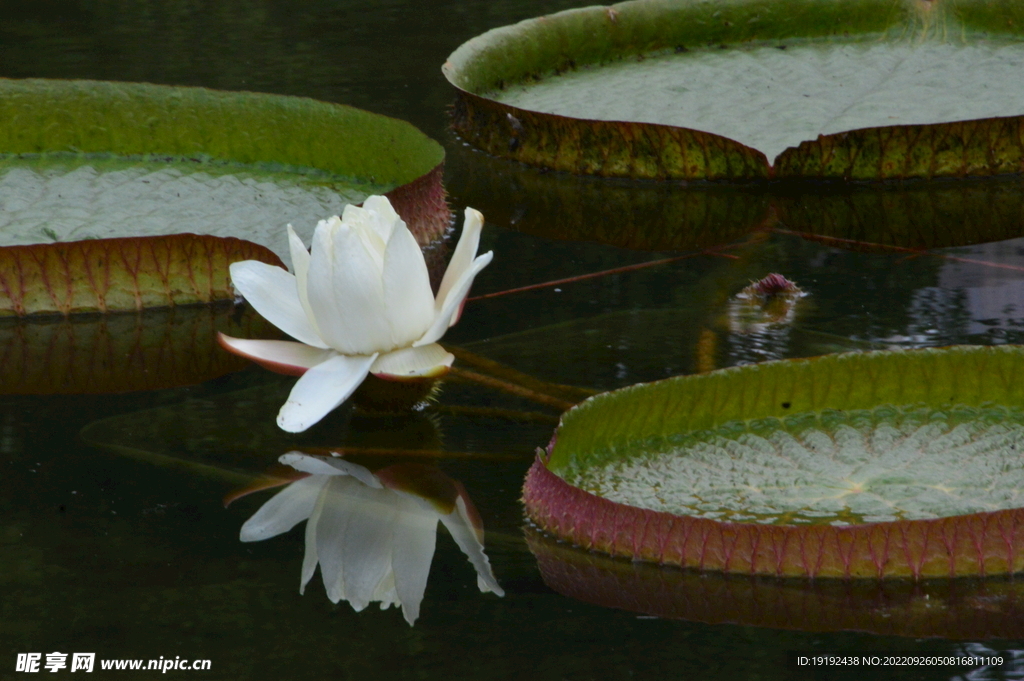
[
  {"x": 114, "y": 275},
  {"x": 868, "y": 90},
  {"x": 87, "y": 159},
  {"x": 969, "y": 609},
  {"x": 834, "y": 466},
  {"x": 92, "y": 354}
]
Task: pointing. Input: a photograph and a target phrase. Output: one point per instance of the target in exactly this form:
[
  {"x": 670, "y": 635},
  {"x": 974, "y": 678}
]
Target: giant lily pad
[
  {"x": 82, "y": 160},
  {"x": 863, "y": 89},
  {"x": 875, "y": 464}
]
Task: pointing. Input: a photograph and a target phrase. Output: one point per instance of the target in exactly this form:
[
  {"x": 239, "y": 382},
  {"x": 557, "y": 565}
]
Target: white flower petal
[
  {"x": 464, "y": 253},
  {"x": 284, "y": 357},
  {"x": 346, "y": 293},
  {"x": 319, "y": 465},
  {"x": 371, "y": 231},
  {"x": 453, "y": 301},
  {"x": 300, "y": 265},
  {"x": 314, "y": 465},
  {"x": 408, "y": 300},
  {"x": 284, "y": 510},
  {"x": 321, "y": 389},
  {"x": 427, "y": 360},
  {"x": 386, "y": 219},
  {"x": 414, "y": 543},
  {"x": 465, "y": 535},
  {"x": 272, "y": 292}
]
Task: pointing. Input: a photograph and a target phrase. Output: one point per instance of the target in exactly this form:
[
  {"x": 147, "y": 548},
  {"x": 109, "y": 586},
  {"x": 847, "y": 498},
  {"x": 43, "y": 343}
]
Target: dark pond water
[{"x": 113, "y": 537}]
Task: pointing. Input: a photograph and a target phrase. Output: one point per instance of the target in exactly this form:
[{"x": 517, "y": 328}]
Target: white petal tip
[
  {"x": 475, "y": 217},
  {"x": 291, "y": 425}
]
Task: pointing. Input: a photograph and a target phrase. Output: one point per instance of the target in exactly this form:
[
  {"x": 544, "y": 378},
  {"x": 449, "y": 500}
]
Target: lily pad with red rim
[
  {"x": 698, "y": 90},
  {"x": 86, "y": 160},
  {"x": 875, "y": 464}
]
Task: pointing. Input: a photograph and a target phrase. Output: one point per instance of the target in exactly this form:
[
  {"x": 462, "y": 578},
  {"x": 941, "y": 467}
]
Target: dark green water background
[{"x": 102, "y": 552}]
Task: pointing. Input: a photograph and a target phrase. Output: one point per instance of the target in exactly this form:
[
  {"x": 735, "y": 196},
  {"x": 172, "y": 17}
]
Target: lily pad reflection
[
  {"x": 967, "y": 608},
  {"x": 92, "y": 354}
]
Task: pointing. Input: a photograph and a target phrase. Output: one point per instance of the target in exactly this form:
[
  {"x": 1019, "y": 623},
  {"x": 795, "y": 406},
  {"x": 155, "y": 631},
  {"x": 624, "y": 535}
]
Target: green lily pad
[
  {"x": 62, "y": 197},
  {"x": 867, "y": 89},
  {"x": 841, "y": 467},
  {"x": 883, "y": 464},
  {"x": 88, "y": 159}
]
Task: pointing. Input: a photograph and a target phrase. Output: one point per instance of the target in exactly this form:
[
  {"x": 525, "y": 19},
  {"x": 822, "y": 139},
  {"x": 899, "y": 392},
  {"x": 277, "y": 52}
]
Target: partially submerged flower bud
[
  {"x": 773, "y": 285},
  {"x": 770, "y": 301}
]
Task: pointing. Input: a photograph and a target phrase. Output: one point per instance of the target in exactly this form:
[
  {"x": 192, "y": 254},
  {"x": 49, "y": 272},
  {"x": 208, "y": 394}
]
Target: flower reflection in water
[{"x": 373, "y": 534}]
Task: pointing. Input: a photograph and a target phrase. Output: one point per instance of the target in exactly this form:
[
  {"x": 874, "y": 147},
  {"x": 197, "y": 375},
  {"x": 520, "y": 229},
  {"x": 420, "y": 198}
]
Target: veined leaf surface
[
  {"x": 81, "y": 157},
  {"x": 97, "y": 161},
  {"x": 115, "y": 275}
]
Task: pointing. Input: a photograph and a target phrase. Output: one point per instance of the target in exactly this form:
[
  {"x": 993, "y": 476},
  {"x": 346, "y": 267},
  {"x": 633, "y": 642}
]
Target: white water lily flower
[
  {"x": 373, "y": 539},
  {"x": 359, "y": 303}
]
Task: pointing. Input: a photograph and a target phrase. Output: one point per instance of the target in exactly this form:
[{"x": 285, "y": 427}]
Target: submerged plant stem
[
  {"x": 493, "y": 412},
  {"x": 602, "y": 273},
  {"x": 490, "y": 366},
  {"x": 852, "y": 244},
  {"x": 512, "y": 388},
  {"x": 418, "y": 453}
]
